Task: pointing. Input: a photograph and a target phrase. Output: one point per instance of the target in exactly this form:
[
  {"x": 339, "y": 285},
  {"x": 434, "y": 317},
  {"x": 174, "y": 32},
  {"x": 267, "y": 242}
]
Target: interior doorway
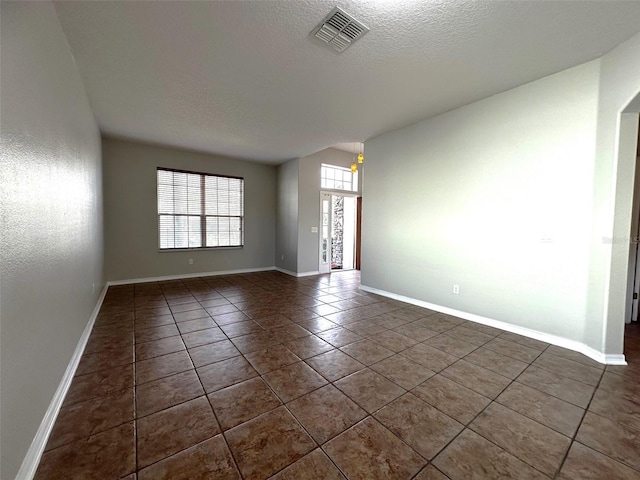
[
  {"x": 634, "y": 254},
  {"x": 339, "y": 232}
]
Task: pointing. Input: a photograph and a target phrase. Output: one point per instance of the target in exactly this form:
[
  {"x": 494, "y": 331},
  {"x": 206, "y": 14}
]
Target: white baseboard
[
  {"x": 535, "y": 334},
  {"x": 189, "y": 275},
  {"x": 297, "y": 274},
  {"x": 288, "y": 272},
  {"x": 609, "y": 359},
  {"x": 308, "y": 274},
  {"x": 34, "y": 454}
]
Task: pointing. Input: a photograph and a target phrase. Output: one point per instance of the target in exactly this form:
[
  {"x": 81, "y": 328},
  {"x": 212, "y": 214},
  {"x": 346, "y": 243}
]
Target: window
[
  {"x": 196, "y": 210},
  {"x": 338, "y": 178}
]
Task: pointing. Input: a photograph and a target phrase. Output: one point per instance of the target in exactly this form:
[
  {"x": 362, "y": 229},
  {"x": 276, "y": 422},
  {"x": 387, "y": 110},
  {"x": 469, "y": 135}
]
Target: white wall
[
  {"x": 616, "y": 163},
  {"x": 51, "y": 235},
  {"x": 131, "y": 212},
  {"x": 287, "y": 217},
  {"x": 494, "y": 197}
]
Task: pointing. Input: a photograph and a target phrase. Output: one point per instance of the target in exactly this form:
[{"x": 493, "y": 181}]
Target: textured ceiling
[{"x": 245, "y": 79}]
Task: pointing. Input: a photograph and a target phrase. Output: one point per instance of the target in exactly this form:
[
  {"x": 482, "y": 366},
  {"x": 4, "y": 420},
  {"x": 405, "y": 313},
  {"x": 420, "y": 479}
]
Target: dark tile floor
[{"x": 260, "y": 375}]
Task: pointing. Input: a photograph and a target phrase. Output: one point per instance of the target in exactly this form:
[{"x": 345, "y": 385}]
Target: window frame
[
  {"x": 203, "y": 215},
  {"x": 337, "y": 168}
]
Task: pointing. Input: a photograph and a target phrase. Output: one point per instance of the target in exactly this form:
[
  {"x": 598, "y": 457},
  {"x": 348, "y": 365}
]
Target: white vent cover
[{"x": 339, "y": 30}]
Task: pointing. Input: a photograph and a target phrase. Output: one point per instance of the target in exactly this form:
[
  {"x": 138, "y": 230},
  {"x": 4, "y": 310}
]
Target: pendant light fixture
[
  {"x": 354, "y": 165},
  {"x": 361, "y": 154}
]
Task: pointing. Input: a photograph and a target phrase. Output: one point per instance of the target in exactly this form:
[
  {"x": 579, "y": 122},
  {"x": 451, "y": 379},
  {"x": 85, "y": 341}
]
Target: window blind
[{"x": 197, "y": 210}]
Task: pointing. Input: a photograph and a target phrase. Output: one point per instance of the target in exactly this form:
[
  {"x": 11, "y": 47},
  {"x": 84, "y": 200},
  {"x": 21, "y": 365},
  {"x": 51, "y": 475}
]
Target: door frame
[
  {"x": 324, "y": 254},
  {"x": 324, "y": 268},
  {"x": 358, "y": 232},
  {"x": 633, "y": 276}
]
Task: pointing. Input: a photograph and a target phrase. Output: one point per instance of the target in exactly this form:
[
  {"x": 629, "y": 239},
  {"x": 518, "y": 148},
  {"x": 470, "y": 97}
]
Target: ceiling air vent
[{"x": 339, "y": 30}]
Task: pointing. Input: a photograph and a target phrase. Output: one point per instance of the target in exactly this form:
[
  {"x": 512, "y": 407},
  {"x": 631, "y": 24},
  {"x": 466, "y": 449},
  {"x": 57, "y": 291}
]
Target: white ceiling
[{"x": 245, "y": 79}]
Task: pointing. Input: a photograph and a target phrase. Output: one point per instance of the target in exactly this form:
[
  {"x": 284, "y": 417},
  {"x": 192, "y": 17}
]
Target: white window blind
[{"x": 196, "y": 210}]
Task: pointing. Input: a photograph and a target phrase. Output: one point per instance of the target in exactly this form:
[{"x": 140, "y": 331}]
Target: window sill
[{"x": 198, "y": 249}]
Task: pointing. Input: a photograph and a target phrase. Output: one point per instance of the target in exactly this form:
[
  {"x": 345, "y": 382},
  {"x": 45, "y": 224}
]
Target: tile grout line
[
  {"x": 135, "y": 389},
  {"x": 586, "y": 410},
  {"x": 466, "y": 426},
  {"x": 573, "y": 438},
  {"x": 234, "y": 294},
  {"x": 283, "y": 404},
  {"x": 215, "y": 416},
  {"x": 180, "y": 403},
  {"x": 365, "y": 367},
  {"x": 347, "y": 396},
  {"x": 135, "y": 405}
]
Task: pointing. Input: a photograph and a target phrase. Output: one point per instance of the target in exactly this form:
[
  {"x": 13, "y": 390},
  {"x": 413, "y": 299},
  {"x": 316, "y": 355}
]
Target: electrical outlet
[
  {"x": 456, "y": 289},
  {"x": 191, "y": 261},
  {"x": 93, "y": 289},
  {"x": 281, "y": 257}
]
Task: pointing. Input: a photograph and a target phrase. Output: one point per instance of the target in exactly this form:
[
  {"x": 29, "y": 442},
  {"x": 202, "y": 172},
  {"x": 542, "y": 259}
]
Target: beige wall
[
  {"x": 131, "y": 215},
  {"x": 495, "y": 197},
  {"x": 51, "y": 209}
]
